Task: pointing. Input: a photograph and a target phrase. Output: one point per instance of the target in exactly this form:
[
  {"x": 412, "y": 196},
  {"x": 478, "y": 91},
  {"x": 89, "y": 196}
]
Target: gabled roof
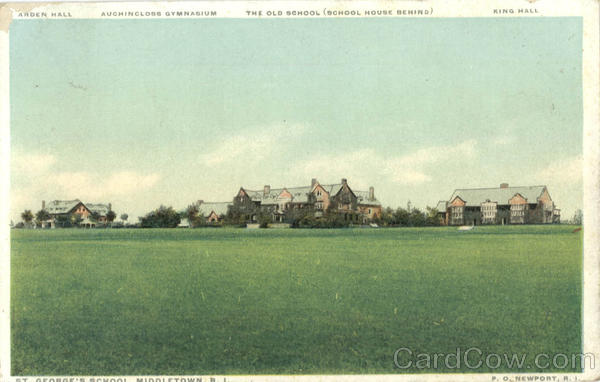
[
  {"x": 476, "y": 196},
  {"x": 219, "y": 208},
  {"x": 65, "y": 206},
  {"x": 99, "y": 208},
  {"x": 441, "y": 206},
  {"x": 299, "y": 195},
  {"x": 259, "y": 196},
  {"x": 61, "y": 206},
  {"x": 332, "y": 189},
  {"x": 362, "y": 197}
]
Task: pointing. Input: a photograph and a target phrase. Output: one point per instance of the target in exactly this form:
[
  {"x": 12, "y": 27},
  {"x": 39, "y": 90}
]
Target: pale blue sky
[{"x": 144, "y": 112}]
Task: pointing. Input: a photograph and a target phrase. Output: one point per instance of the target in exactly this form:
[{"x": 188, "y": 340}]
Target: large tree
[
  {"x": 95, "y": 216},
  {"x": 124, "y": 217},
  {"x": 65, "y": 221},
  {"x": 401, "y": 217},
  {"x": 75, "y": 219},
  {"x": 27, "y": 216},
  {"x": 416, "y": 218},
  {"x": 162, "y": 217},
  {"x": 387, "y": 216},
  {"x": 194, "y": 216},
  {"x": 432, "y": 217},
  {"x": 111, "y": 216},
  {"x": 42, "y": 216},
  {"x": 264, "y": 219},
  {"x": 240, "y": 214}
]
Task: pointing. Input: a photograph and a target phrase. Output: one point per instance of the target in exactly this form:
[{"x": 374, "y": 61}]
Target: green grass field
[{"x": 235, "y": 301}]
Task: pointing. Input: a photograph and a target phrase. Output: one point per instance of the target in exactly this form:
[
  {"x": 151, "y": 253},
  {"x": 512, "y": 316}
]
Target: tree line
[
  {"x": 168, "y": 217},
  {"x": 238, "y": 216}
]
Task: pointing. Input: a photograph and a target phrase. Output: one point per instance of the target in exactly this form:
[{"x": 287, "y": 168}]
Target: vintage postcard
[{"x": 299, "y": 191}]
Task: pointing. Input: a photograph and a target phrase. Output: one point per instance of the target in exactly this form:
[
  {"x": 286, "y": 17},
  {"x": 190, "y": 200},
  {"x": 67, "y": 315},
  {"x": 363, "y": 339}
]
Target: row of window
[
  {"x": 317, "y": 205},
  {"x": 491, "y": 207}
]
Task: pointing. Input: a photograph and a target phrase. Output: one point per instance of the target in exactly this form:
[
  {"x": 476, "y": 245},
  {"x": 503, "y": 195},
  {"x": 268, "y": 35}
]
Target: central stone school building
[
  {"x": 352, "y": 205},
  {"x": 503, "y": 205}
]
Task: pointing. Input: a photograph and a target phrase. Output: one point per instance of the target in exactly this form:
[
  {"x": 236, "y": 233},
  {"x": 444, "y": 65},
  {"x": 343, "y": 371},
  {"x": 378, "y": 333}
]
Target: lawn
[{"x": 236, "y": 301}]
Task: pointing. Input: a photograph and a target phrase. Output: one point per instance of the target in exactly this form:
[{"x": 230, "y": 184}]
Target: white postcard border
[{"x": 588, "y": 9}]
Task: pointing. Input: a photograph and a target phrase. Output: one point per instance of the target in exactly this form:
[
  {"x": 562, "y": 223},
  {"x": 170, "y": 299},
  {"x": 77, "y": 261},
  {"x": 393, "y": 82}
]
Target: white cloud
[
  {"x": 34, "y": 178},
  {"x": 28, "y": 163},
  {"x": 565, "y": 171},
  {"x": 92, "y": 186},
  {"x": 70, "y": 185},
  {"x": 129, "y": 182},
  {"x": 503, "y": 140},
  {"x": 253, "y": 144},
  {"x": 368, "y": 165},
  {"x": 397, "y": 177}
]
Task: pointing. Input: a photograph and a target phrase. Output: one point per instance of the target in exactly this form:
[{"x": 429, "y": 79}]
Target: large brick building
[
  {"x": 502, "y": 205},
  {"x": 352, "y": 206}
]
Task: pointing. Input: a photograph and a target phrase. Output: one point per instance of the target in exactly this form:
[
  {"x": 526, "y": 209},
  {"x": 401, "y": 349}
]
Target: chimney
[
  {"x": 313, "y": 181},
  {"x": 43, "y": 204},
  {"x": 110, "y": 206},
  {"x": 371, "y": 193},
  {"x": 503, "y": 185},
  {"x": 267, "y": 190},
  {"x": 344, "y": 181}
]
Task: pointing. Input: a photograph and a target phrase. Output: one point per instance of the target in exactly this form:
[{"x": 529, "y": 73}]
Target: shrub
[{"x": 162, "y": 217}]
